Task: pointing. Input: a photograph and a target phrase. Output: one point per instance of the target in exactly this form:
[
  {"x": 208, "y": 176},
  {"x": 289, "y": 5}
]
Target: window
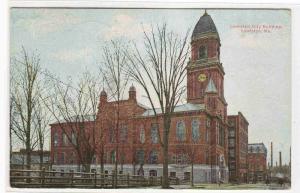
[
  {"x": 94, "y": 159},
  {"x": 207, "y": 157},
  {"x": 207, "y": 122},
  {"x": 231, "y": 153},
  {"x": 112, "y": 135},
  {"x": 140, "y": 156},
  {"x": 72, "y": 158},
  {"x": 231, "y": 142},
  {"x": 123, "y": 133},
  {"x": 142, "y": 135},
  {"x": 207, "y": 135},
  {"x": 62, "y": 158},
  {"x": 152, "y": 173},
  {"x": 180, "y": 131},
  {"x": 231, "y": 132},
  {"x": 73, "y": 139},
  {"x": 65, "y": 139},
  {"x": 154, "y": 132},
  {"x": 55, "y": 139},
  {"x": 202, "y": 52},
  {"x": 55, "y": 158},
  {"x": 195, "y": 130},
  {"x": 113, "y": 156},
  {"x": 218, "y": 133},
  {"x": 173, "y": 174},
  {"x": 187, "y": 176},
  {"x": 153, "y": 157}
]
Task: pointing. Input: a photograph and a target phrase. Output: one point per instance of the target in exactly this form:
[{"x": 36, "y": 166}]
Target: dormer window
[{"x": 202, "y": 52}]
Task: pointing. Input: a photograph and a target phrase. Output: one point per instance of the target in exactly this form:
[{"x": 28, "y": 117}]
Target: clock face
[{"x": 202, "y": 77}]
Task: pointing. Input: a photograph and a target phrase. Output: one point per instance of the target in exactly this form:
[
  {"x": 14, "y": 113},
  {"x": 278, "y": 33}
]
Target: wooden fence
[{"x": 59, "y": 179}]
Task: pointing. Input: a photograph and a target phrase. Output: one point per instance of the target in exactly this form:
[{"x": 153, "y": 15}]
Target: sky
[{"x": 257, "y": 65}]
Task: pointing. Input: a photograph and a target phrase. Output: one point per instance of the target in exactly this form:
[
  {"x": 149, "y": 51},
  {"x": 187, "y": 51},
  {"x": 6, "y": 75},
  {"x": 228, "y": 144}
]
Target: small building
[
  {"x": 257, "y": 162},
  {"x": 18, "y": 159},
  {"x": 238, "y": 148}
]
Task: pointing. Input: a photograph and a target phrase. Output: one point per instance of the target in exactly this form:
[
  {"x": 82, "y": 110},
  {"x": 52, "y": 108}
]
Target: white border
[{"x": 4, "y": 76}]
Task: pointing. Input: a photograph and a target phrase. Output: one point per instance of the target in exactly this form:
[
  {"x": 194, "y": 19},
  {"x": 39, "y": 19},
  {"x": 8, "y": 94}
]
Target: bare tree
[
  {"x": 25, "y": 89},
  {"x": 115, "y": 78},
  {"x": 74, "y": 109},
  {"x": 41, "y": 120},
  {"x": 161, "y": 70}
]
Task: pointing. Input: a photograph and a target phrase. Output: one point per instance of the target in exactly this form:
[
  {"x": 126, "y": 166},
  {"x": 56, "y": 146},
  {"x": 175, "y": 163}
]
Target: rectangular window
[
  {"x": 154, "y": 133},
  {"x": 65, "y": 139},
  {"x": 173, "y": 174},
  {"x": 73, "y": 138}
]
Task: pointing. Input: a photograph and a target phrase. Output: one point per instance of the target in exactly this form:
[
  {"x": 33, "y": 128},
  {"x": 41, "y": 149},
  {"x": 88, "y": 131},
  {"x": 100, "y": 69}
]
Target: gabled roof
[
  {"x": 211, "y": 87},
  {"x": 179, "y": 108}
]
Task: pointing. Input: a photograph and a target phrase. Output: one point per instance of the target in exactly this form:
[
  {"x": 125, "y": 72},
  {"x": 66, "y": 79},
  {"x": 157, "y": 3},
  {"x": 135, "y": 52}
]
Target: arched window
[
  {"x": 140, "y": 156},
  {"x": 180, "y": 131},
  {"x": 55, "y": 139},
  {"x": 154, "y": 132},
  {"x": 153, "y": 158},
  {"x": 202, "y": 52},
  {"x": 195, "y": 130},
  {"x": 142, "y": 135}
]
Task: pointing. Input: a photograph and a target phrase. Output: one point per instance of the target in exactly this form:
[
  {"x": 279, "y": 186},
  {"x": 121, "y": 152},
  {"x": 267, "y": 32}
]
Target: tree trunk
[
  {"x": 41, "y": 159},
  {"x": 165, "y": 182}
]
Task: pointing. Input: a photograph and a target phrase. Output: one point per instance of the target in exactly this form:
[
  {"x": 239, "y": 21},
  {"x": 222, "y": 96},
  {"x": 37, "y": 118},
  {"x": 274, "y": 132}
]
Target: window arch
[
  {"x": 195, "y": 130},
  {"x": 180, "y": 130},
  {"x": 202, "y": 52},
  {"x": 153, "y": 157}
]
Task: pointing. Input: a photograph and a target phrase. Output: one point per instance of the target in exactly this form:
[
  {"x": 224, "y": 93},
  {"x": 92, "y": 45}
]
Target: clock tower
[{"x": 205, "y": 73}]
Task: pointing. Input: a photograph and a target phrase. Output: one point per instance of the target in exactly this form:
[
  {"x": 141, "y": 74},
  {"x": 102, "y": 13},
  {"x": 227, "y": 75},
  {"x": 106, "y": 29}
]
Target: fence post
[
  {"x": 128, "y": 180},
  {"x": 43, "y": 176},
  {"x": 161, "y": 179},
  {"x": 95, "y": 178}
]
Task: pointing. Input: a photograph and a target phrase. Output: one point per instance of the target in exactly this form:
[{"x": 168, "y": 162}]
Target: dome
[
  {"x": 103, "y": 93},
  {"x": 204, "y": 25},
  {"x": 132, "y": 88}
]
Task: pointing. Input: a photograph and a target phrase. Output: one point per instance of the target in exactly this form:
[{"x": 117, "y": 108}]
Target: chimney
[
  {"x": 132, "y": 93},
  {"x": 271, "y": 154},
  {"x": 280, "y": 161}
]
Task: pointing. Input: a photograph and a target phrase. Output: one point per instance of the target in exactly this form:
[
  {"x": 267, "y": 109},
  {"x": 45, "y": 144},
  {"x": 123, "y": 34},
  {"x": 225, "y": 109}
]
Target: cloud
[
  {"x": 71, "y": 55},
  {"x": 124, "y": 26},
  {"x": 45, "y": 21}
]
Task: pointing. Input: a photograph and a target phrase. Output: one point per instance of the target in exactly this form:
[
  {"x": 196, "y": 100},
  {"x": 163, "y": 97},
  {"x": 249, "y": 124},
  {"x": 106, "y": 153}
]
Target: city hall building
[{"x": 199, "y": 128}]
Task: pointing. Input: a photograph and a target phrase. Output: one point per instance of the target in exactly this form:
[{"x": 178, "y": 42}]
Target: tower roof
[
  {"x": 103, "y": 93},
  {"x": 211, "y": 87},
  {"x": 204, "y": 25}
]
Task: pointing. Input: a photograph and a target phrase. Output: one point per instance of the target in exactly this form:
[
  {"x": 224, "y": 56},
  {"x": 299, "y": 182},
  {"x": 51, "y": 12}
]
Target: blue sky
[{"x": 257, "y": 65}]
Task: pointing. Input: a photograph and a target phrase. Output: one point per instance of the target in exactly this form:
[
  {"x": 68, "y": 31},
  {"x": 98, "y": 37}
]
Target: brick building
[
  {"x": 237, "y": 147},
  {"x": 198, "y": 128},
  {"x": 257, "y": 162}
]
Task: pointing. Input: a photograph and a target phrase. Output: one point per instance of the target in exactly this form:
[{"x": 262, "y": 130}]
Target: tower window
[{"x": 202, "y": 52}]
